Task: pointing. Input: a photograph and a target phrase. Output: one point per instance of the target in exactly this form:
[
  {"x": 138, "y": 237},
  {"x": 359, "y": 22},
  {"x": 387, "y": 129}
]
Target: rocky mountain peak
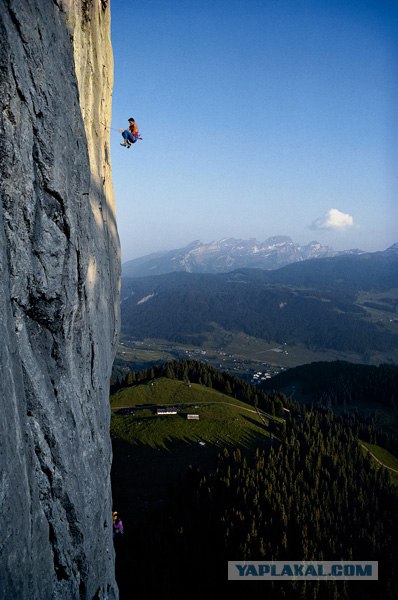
[{"x": 228, "y": 254}]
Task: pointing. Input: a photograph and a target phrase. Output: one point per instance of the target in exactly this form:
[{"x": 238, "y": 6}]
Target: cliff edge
[{"x": 59, "y": 298}]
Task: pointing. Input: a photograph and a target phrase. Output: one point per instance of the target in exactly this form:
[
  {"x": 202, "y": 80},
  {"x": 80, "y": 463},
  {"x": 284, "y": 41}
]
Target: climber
[
  {"x": 117, "y": 525},
  {"x": 130, "y": 135}
]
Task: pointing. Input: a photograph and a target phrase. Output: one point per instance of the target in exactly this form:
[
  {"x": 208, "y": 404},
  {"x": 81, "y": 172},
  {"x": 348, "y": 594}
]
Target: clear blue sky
[{"x": 259, "y": 117}]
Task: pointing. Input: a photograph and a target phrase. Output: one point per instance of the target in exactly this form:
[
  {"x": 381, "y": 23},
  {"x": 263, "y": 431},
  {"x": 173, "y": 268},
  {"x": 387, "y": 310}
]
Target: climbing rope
[{"x": 107, "y": 127}]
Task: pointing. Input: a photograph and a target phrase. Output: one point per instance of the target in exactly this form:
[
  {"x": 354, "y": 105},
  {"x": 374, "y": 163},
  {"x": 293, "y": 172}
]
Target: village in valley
[{"x": 147, "y": 352}]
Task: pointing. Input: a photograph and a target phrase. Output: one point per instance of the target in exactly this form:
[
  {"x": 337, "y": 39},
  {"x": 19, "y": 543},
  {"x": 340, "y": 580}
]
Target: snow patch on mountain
[
  {"x": 229, "y": 254},
  {"x": 145, "y": 299}
]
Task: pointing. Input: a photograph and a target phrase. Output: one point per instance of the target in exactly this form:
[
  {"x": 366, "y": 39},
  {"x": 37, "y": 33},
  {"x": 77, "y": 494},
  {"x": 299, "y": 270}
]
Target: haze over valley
[{"x": 343, "y": 306}]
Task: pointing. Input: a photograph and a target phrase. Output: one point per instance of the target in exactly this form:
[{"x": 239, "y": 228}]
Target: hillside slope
[
  {"x": 272, "y": 499},
  {"x": 152, "y": 451},
  {"x": 222, "y": 419},
  {"x": 344, "y": 303}
]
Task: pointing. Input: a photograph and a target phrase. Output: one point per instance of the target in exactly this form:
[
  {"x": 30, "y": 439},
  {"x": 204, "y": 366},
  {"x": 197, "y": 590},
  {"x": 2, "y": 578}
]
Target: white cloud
[{"x": 335, "y": 220}]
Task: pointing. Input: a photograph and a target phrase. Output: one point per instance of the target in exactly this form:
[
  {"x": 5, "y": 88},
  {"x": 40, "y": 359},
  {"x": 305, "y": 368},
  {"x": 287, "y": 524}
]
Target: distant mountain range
[
  {"x": 228, "y": 255},
  {"x": 346, "y": 303}
]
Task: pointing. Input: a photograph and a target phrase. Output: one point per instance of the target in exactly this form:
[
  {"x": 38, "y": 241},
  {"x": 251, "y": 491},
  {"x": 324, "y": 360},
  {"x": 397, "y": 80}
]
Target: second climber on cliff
[
  {"x": 130, "y": 135},
  {"x": 118, "y": 528}
]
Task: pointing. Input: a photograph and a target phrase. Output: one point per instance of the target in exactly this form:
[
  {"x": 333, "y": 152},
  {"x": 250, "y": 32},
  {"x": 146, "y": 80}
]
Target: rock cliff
[{"x": 59, "y": 287}]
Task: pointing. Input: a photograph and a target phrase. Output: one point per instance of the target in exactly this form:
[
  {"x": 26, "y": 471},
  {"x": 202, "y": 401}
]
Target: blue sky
[{"x": 259, "y": 118}]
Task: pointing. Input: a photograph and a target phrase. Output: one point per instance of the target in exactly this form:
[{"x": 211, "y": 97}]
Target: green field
[
  {"x": 237, "y": 353},
  {"x": 142, "y": 352},
  {"x": 151, "y": 452},
  {"x": 385, "y": 457},
  {"x": 384, "y": 306},
  {"x": 222, "y": 420}
]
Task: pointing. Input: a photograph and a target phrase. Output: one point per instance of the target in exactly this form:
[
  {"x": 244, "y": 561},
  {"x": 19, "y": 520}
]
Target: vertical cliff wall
[{"x": 59, "y": 281}]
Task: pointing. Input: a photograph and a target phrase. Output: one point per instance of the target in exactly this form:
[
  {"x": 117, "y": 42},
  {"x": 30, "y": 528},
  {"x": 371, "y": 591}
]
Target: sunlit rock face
[{"x": 59, "y": 286}]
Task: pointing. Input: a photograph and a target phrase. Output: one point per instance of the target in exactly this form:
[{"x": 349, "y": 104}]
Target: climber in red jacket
[{"x": 130, "y": 135}]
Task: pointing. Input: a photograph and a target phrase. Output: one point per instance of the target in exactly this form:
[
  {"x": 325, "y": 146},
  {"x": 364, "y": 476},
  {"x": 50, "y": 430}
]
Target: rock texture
[{"x": 59, "y": 287}]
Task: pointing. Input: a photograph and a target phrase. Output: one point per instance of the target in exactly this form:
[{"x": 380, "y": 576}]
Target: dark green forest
[
  {"x": 354, "y": 389},
  {"x": 310, "y": 493},
  {"x": 340, "y": 382},
  {"x": 314, "y": 303}
]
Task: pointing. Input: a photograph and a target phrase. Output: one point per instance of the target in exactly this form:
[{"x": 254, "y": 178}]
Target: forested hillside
[
  {"x": 341, "y": 382},
  {"x": 314, "y": 496},
  {"x": 313, "y": 493},
  {"x": 347, "y": 303}
]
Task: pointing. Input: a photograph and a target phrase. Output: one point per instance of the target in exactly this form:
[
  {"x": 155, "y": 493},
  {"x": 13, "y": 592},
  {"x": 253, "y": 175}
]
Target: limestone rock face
[{"x": 59, "y": 287}]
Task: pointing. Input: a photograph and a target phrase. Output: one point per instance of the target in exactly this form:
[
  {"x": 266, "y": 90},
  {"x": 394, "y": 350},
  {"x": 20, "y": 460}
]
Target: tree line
[
  {"x": 343, "y": 383},
  {"x": 195, "y": 371},
  {"x": 329, "y": 384}
]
